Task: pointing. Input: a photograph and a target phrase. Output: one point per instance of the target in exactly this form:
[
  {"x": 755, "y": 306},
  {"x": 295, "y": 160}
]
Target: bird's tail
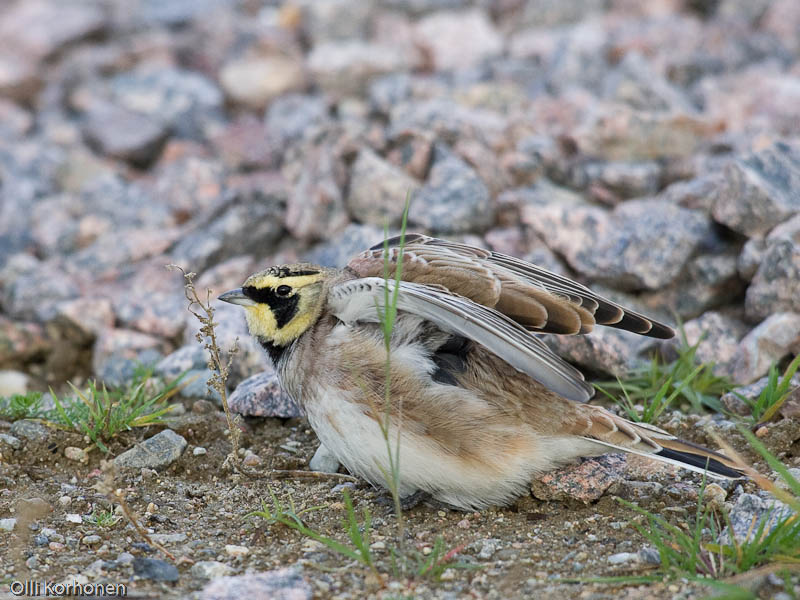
[{"x": 612, "y": 431}]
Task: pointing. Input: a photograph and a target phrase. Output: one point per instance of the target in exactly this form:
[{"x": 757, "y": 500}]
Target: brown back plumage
[{"x": 533, "y": 297}]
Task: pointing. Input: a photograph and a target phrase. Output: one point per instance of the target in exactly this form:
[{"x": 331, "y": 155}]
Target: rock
[
  {"x": 168, "y": 538},
  {"x": 77, "y": 454},
  {"x": 8, "y": 524},
  {"x": 191, "y": 357},
  {"x": 637, "y": 83},
  {"x": 118, "y": 353},
  {"x": 20, "y": 78},
  {"x": 458, "y": 40},
  {"x": 696, "y": 194},
  {"x": 91, "y": 540},
  {"x": 236, "y": 551},
  {"x": 446, "y": 120},
  {"x": 195, "y": 385},
  {"x": 412, "y": 151},
  {"x": 453, "y": 200},
  {"x": 190, "y": 187},
  {"x": 10, "y": 441},
  {"x": 345, "y": 68},
  {"x": 30, "y": 430},
  {"x": 708, "y": 281},
  {"x": 291, "y": 116},
  {"x": 606, "y": 350},
  {"x": 335, "y": 20},
  {"x": 41, "y": 28},
  {"x": 154, "y": 569},
  {"x": 210, "y": 569},
  {"x": 251, "y": 223},
  {"x": 750, "y": 258},
  {"x": 21, "y": 342},
  {"x": 262, "y": 396},
  {"x": 316, "y": 206},
  {"x": 246, "y": 144},
  {"x": 280, "y": 584},
  {"x": 256, "y": 80},
  {"x": 185, "y": 101},
  {"x": 158, "y": 451},
  {"x": 324, "y": 461},
  {"x": 488, "y": 548},
  {"x": 584, "y": 482},
  {"x": 717, "y": 337},
  {"x": 752, "y": 391},
  {"x": 378, "y": 190},
  {"x": 13, "y": 383},
  {"x": 642, "y": 243},
  {"x": 83, "y": 319},
  {"x": 760, "y": 190},
  {"x": 623, "y": 134},
  {"x": 611, "y": 182},
  {"x": 387, "y": 91},
  {"x": 34, "y": 294},
  {"x": 352, "y": 240},
  {"x": 124, "y": 134},
  {"x": 775, "y": 287},
  {"x": 773, "y": 339},
  {"x": 623, "y": 557},
  {"x": 747, "y": 516}
]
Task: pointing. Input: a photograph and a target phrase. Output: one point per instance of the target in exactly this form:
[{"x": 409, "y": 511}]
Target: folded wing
[{"x": 363, "y": 299}]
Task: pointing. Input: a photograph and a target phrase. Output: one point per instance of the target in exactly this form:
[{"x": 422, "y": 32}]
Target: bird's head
[{"x": 282, "y": 302}]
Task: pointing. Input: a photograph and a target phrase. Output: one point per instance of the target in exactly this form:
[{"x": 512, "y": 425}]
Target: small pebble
[
  {"x": 154, "y": 569},
  {"x": 199, "y": 451},
  {"x": 464, "y": 523},
  {"x": 7, "y": 524},
  {"x": 64, "y": 500},
  {"x": 236, "y": 551},
  {"x": 73, "y": 518},
  {"x": 91, "y": 540},
  {"x": 762, "y": 431},
  {"x": 56, "y": 546},
  {"x": 210, "y": 569},
  {"x": 623, "y": 557},
  {"x": 251, "y": 460},
  {"x": 76, "y": 454}
]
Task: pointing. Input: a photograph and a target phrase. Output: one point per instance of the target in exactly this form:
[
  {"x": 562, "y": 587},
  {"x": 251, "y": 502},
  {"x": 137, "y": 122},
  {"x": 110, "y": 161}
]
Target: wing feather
[{"x": 358, "y": 300}]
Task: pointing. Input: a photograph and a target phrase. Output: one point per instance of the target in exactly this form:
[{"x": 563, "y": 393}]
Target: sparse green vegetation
[
  {"x": 657, "y": 385},
  {"x": 104, "y": 519},
  {"x": 22, "y": 406},
  {"x": 772, "y": 397},
  {"x": 98, "y": 412}
]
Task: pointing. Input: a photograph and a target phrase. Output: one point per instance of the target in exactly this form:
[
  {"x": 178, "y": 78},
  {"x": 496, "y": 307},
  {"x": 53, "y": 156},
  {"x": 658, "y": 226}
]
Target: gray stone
[
  {"x": 747, "y": 515},
  {"x": 649, "y": 555},
  {"x": 585, "y": 482},
  {"x": 335, "y": 19},
  {"x": 256, "y": 80},
  {"x": 10, "y": 441},
  {"x": 446, "y": 120},
  {"x": 378, "y": 190},
  {"x": 760, "y": 190},
  {"x": 623, "y": 557},
  {"x": 388, "y": 91},
  {"x": 458, "y": 40},
  {"x": 355, "y": 238},
  {"x": 717, "y": 337},
  {"x": 345, "y": 68},
  {"x": 30, "y": 430},
  {"x": 262, "y": 396},
  {"x": 751, "y": 257},
  {"x": 775, "y": 287},
  {"x": 117, "y": 353},
  {"x": 186, "y": 101},
  {"x": 618, "y": 180},
  {"x": 281, "y": 584},
  {"x": 210, "y": 569},
  {"x": 735, "y": 404},
  {"x": 606, "y": 350},
  {"x": 290, "y": 116},
  {"x": 249, "y": 224},
  {"x": 124, "y": 134},
  {"x": 195, "y": 385},
  {"x": 642, "y": 243},
  {"x": 8, "y": 524},
  {"x": 636, "y": 82},
  {"x": 696, "y": 194},
  {"x": 154, "y": 569},
  {"x": 453, "y": 200},
  {"x": 324, "y": 461},
  {"x": 773, "y": 339},
  {"x": 158, "y": 451},
  {"x": 186, "y": 358}
]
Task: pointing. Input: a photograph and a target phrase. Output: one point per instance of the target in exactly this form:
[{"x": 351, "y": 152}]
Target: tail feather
[{"x": 612, "y": 431}]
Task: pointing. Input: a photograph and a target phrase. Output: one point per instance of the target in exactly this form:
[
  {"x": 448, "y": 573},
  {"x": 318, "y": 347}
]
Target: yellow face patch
[{"x": 282, "y": 318}]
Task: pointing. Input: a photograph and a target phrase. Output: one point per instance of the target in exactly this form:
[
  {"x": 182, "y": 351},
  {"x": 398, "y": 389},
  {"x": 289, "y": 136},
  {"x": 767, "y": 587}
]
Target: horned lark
[{"x": 479, "y": 404}]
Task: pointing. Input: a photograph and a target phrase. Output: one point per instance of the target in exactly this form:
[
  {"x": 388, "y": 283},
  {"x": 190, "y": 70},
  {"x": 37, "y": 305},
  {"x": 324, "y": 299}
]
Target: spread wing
[
  {"x": 359, "y": 299},
  {"x": 533, "y": 297}
]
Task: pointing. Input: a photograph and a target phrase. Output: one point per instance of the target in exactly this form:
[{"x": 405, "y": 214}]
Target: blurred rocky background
[{"x": 650, "y": 149}]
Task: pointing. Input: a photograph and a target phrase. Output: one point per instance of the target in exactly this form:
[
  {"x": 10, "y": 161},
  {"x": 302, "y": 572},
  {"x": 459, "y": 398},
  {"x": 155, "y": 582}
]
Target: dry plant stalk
[
  {"x": 219, "y": 368},
  {"x": 105, "y": 486}
]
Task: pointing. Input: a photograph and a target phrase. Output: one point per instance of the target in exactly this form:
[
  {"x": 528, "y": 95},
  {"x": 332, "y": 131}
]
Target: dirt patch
[{"x": 195, "y": 509}]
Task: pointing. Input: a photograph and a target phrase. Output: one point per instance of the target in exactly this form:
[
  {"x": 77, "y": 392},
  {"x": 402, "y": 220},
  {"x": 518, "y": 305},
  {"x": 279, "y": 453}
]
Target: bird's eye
[{"x": 283, "y": 290}]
